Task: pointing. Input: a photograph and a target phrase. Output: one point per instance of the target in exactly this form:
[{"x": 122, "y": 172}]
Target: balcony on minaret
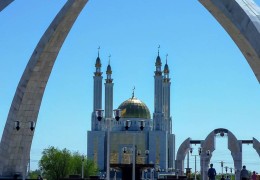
[{"x": 98, "y": 73}]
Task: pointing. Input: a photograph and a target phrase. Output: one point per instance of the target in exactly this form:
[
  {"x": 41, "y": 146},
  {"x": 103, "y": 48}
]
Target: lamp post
[
  {"x": 99, "y": 114},
  {"x": 152, "y": 173},
  {"x": 231, "y": 173},
  {"x": 82, "y": 167},
  {"x": 199, "y": 153},
  {"x": 226, "y": 169},
  {"x": 222, "y": 166}
]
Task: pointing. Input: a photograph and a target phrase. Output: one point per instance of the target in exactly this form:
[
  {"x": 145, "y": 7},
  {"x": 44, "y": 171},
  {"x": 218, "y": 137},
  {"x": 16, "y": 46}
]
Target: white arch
[
  {"x": 182, "y": 151},
  {"x": 241, "y": 20},
  {"x": 256, "y": 146},
  {"x": 4, "y": 4},
  {"x": 15, "y": 146},
  {"x": 234, "y": 146}
]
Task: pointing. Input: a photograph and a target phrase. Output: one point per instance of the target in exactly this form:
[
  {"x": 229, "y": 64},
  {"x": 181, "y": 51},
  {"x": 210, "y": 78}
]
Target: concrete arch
[
  {"x": 15, "y": 145},
  {"x": 234, "y": 146},
  {"x": 256, "y": 146},
  {"x": 241, "y": 20},
  {"x": 4, "y": 4},
  {"x": 182, "y": 151}
]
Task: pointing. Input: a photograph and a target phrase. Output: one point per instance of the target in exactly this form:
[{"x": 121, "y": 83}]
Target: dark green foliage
[
  {"x": 34, "y": 174},
  {"x": 56, "y": 164}
]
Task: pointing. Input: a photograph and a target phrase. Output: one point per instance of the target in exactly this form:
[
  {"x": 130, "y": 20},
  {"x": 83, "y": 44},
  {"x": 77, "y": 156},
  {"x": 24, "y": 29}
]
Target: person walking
[
  {"x": 212, "y": 172},
  {"x": 244, "y": 174},
  {"x": 222, "y": 177},
  {"x": 254, "y": 176},
  {"x": 227, "y": 178}
]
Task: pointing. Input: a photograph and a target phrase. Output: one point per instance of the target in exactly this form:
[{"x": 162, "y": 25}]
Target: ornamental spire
[
  {"x": 98, "y": 61},
  {"x": 166, "y": 67},
  {"x": 158, "y": 64},
  {"x": 166, "y": 71},
  {"x": 133, "y": 93},
  {"x": 109, "y": 69},
  {"x": 98, "y": 65}
]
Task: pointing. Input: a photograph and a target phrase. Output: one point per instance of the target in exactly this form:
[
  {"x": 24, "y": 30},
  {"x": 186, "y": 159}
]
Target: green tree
[
  {"x": 58, "y": 164},
  {"x": 55, "y": 163},
  {"x": 34, "y": 174},
  {"x": 76, "y": 163},
  {"x": 89, "y": 166}
]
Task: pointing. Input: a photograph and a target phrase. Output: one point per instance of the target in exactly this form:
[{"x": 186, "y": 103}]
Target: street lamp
[
  {"x": 226, "y": 169},
  {"x": 222, "y": 165},
  {"x": 199, "y": 153},
  {"x": 208, "y": 152},
  {"x": 231, "y": 173},
  {"x": 17, "y": 125},
  {"x": 127, "y": 124},
  {"x": 152, "y": 174},
  {"x": 99, "y": 114},
  {"x": 82, "y": 167},
  {"x": 41, "y": 171}
]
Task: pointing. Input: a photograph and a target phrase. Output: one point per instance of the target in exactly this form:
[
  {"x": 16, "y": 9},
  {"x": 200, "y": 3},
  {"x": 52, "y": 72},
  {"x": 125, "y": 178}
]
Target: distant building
[{"x": 155, "y": 143}]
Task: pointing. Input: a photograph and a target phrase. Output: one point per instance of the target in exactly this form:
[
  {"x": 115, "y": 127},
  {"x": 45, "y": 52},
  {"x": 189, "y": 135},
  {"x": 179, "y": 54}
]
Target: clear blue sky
[{"x": 212, "y": 83}]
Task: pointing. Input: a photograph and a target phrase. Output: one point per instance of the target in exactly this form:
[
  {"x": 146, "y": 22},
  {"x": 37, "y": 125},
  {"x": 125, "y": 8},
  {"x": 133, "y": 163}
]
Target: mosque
[{"x": 151, "y": 138}]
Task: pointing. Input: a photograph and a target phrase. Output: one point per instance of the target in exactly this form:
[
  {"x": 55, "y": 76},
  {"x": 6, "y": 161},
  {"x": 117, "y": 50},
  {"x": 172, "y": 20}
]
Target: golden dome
[{"x": 134, "y": 108}]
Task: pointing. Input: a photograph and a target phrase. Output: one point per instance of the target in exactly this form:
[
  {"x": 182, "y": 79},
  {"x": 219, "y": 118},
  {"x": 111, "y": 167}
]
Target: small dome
[{"x": 134, "y": 108}]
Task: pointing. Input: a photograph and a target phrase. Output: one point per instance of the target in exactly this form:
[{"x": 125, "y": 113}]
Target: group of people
[{"x": 244, "y": 175}]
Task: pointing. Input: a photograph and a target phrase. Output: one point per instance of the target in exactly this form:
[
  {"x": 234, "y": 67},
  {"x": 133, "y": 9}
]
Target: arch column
[
  {"x": 204, "y": 164},
  {"x": 237, "y": 157},
  {"x": 15, "y": 145},
  {"x": 4, "y": 4},
  {"x": 207, "y": 145},
  {"x": 256, "y": 146},
  {"x": 235, "y": 147},
  {"x": 182, "y": 151}
]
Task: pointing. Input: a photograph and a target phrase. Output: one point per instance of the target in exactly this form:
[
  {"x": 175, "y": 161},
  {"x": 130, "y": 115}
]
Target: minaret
[
  {"x": 97, "y": 101},
  {"x": 166, "y": 96},
  {"x": 109, "y": 92},
  {"x": 158, "y": 80}
]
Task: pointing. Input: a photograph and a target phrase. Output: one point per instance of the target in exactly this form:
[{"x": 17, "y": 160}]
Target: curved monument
[
  {"x": 241, "y": 20},
  {"x": 182, "y": 151},
  {"x": 208, "y": 147},
  {"x": 208, "y": 144},
  {"x": 256, "y": 146},
  {"x": 15, "y": 145},
  {"x": 4, "y": 4}
]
